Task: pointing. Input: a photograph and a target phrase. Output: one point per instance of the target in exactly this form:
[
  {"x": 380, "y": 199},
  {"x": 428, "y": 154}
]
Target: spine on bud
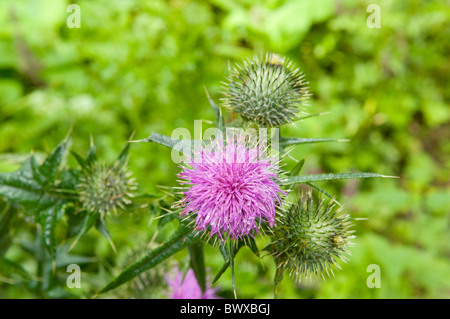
[{"x": 310, "y": 239}]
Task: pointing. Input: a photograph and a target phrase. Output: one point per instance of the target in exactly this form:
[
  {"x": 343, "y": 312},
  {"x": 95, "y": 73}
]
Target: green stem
[
  {"x": 276, "y": 282},
  {"x": 233, "y": 252}
]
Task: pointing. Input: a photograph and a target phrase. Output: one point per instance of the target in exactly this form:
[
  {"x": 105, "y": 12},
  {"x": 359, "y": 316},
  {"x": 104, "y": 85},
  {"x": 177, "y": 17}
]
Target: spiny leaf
[
  {"x": 51, "y": 164},
  {"x": 160, "y": 139},
  {"x": 123, "y": 155},
  {"x": 182, "y": 238},
  {"x": 48, "y": 218},
  {"x": 79, "y": 159},
  {"x": 328, "y": 177},
  {"x": 89, "y": 220},
  {"x": 251, "y": 243},
  {"x": 228, "y": 255},
  {"x": 297, "y": 168},
  {"x": 217, "y": 112},
  {"x": 320, "y": 189},
  {"x": 92, "y": 154},
  {"x": 6, "y": 216},
  {"x": 103, "y": 229},
  {"x": 286, "y": 141},
  {"x": 24, "y": 185},
  {"x": 197, "y": 261},
  {"x": 33, "y": 187},
  {"x": 295, "y": 171},
  {"x": 64, "y": 259},
  {"x": 311, "y": 115},
  {"x": 11, "y": 269},
  {"x": 165, "y": 141}
]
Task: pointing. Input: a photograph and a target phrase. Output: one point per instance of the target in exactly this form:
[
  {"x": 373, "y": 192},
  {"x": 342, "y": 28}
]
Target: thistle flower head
[
  {"x": 106, "y": 188},
  {"x": 232, "y": 188},
  {"x": 188, "y": 287},
  {"x": 310, "y": 239},
  {"x": 267, "y": 92}
]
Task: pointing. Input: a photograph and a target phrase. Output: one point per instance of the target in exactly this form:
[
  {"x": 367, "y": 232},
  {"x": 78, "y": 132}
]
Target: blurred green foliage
[{"x": 141, "y": 66}]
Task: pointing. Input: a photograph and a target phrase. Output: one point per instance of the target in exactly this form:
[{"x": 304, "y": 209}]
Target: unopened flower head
[
  {"x": 309, "y": 239},
  {"x": 268, "y": 92},
  {"x": 233, "y": 188},
  {"x": 104, "y": 188}
]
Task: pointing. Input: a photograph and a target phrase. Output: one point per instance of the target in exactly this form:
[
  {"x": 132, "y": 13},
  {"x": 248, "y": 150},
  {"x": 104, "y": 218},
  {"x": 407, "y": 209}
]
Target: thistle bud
[
  {"x": 105, "y": 188},
  {"x": 309, "y": 239},
  {"x": 267, "y": 92}
]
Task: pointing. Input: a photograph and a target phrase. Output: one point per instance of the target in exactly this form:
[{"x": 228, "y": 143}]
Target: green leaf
[
  {"x": 286, "y": 141},
  {"x": 51, "y": 164},
  {"x": 229, "y": 255},
  {"x": 62, "y": 260},
  {"x": 79, "y": 159},
  {"x": 182, "y": 238},
  {"x": 329, "y": 177},
  {"x": 68, "y": 182},
  {"x": 217, "y": 112},
  {"x": 165, "y": 141},
  {"x": 251, "y": 243},
  {"x": 33, "y": 187},
  {"x": 197, "y": 262},
  {"x": 164, "y": 218},
  {"x": 160, "y": 139},
  {"x": 6, "y": 216},
  {"x": 220, "y": 272},
  {"x": 295, "y": 171},
  {"x": 11, "y": 269},
  {"x": 91, "y": 154},
  {"x": 48, "y": 218},
  {"x": 297, "y": 168},
  {"x": 123, "y": 155},
  {"x": 24, "y": 185},
  {"x": 75, "y": 220},
  {"x": 89, "y": 220},
  {"x": 103, "y": 229},
  {"x": 320, "y": 189},
  {"x": 311, "y": 115}
]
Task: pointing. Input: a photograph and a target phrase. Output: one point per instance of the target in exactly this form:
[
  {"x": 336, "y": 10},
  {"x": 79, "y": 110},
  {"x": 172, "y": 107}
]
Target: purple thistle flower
[
  {"x": 189, "y": 287},
  {"x": 233, "y": 188}
]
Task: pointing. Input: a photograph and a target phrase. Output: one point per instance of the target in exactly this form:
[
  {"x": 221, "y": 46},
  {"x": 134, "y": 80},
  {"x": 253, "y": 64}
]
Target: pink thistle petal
[
  {"x": 232, "y": 190},
  {"x": 184, "y": 289},
  {"x": 188, "y": 288}
]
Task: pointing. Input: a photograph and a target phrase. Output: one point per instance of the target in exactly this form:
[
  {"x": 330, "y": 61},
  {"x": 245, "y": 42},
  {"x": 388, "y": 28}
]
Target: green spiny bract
[
  {"x": 267, "y": 92},
  {"x": 105, "y": 188},
  {"x": 309, "y": 239}
]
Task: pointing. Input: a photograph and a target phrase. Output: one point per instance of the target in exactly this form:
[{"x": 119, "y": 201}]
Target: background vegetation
[{"x": 141, "y": 66}]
